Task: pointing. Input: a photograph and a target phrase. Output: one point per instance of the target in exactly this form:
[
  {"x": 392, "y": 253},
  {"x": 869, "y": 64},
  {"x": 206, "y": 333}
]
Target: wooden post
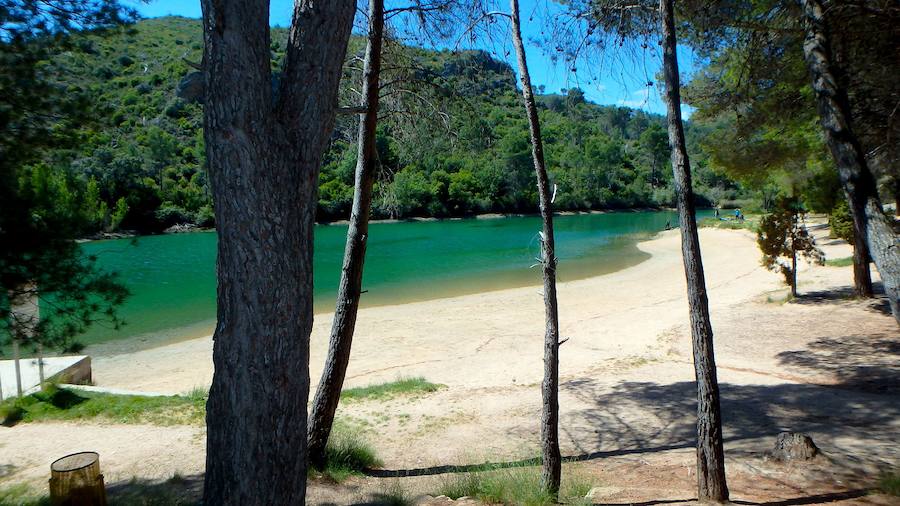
[
  {"x": 75, "y": 480},
  {"x": 40, "y": 350}
]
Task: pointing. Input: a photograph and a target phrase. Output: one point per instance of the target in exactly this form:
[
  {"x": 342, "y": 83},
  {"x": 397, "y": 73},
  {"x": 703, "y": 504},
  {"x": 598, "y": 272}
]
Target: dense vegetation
[{"x": 142, "y": 167}]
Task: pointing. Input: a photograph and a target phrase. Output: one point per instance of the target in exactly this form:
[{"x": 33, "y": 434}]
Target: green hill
[{"x": 453, "y": 141}]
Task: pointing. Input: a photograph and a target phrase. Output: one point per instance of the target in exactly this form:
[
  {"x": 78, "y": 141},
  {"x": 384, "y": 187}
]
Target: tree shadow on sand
[
  {"x": 840, "y": 295},
  {"x": 176, "y": 491},
  {"x": 797, "y": 501},
  {"x": 868, "y": 363}
]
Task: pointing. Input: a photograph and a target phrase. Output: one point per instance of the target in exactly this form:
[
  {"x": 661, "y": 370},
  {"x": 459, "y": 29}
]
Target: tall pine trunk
[
  {"x": 711, "y": 484},
  {"x": 551, "y": 467},
  {"x": 870, "y": 223},
  {"x": 328, "y": 393},
  {"x": 862, "y": 275},
  {"x": 264, "y": 149}
]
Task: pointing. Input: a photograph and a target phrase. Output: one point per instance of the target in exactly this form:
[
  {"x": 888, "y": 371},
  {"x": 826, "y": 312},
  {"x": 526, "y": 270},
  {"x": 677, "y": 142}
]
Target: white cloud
[{"x": 639, "y": 99}]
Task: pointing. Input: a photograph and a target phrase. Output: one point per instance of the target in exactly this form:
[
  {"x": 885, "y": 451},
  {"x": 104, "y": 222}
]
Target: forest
[{"x": 140, "y": 166}]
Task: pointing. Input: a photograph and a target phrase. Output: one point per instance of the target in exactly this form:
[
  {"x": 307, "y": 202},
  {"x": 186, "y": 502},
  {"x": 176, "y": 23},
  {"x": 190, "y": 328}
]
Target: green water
[{"x": 173, "y": 285}]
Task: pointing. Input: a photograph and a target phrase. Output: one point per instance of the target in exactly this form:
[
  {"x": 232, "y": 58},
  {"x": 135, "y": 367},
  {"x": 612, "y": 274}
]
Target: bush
[
  {"x": 168, "y": 216},
  {"x": 841, "y": 222},
  {"x": 205, "y": 217}
]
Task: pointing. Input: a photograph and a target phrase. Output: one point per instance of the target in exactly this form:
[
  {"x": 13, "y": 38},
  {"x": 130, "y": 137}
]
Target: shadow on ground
[
  {"x": 176, "y": 491},
  {"x": 839, "y": 295},
  {"x": 855, "y": 418},
  {"x": 796, "y": 501}
]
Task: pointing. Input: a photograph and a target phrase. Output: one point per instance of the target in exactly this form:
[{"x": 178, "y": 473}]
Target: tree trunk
[
  {"x": 793, "y": 272},
  {"x": 711, "y": 482},
  {"x": 897, "y": 196},
  {"x": 869, "y": 221},
  {"x": 862, "y": 276},
  {"x": 264, "y": 149},
  {"x": 551, "y": 460},
  {"x": 328, "y": 393}
]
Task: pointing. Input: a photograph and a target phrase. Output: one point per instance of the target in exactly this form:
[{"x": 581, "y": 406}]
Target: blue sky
[{"x": 611, "y": 79}]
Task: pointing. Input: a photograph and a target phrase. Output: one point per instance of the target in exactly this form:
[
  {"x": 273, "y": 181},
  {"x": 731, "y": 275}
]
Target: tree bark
[
  {"x": 328, "y": 393},
  {"x": 711, "y": 484},
  {"x": 264, "y": 150},
  {"x": 551, "y": 467},
  {"x": 862, "y": 276},
  {"x": 869, "y": 221}
]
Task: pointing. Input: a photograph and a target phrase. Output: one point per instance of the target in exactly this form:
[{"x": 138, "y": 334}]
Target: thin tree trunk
[
  {"x": 551, "y": 460},
  {"x": 711, "y": 484},
  {"x": 328, "y": 393},
  {"x": 264, "y": 149},
  {"x": 794, "y": 272},
  {"x": 869, "y": 221}
]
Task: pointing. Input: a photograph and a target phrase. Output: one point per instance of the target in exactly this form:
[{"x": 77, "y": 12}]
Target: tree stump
[
  {"x": 75, "y": 480},
  {"x": 794, "y": 446}
]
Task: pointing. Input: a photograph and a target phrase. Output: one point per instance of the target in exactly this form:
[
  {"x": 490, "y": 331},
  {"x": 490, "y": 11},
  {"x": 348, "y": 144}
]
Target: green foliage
[
  {"x": 889, "y": 483},
  {"x": 22, "y": 495},
  {"x": 782, "y": 236},
  {"x": 518, "y": 485},
  {"x": 146, "y": 148},
  {"x": 54, "y": 403},
  {"x": 839, "y": 262},
  {"x": 347, "y": 454},
  {"x": 44, "y": 111},
  {"x": 382, "y": 391},
  {"x": 840, "y": 222},
  {"x": 42, "y": 266}
]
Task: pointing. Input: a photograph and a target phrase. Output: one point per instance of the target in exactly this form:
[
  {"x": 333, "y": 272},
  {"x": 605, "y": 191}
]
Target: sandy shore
[
  {"x": 825, "y": 364},
  {"x": 613, "y": 316}
]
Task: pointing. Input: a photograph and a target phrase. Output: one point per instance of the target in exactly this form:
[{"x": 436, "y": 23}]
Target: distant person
[
  {"x": 668, "y": 225},
  {"x": 737, "y": 214},
  {"x": 717, "y": 213}
]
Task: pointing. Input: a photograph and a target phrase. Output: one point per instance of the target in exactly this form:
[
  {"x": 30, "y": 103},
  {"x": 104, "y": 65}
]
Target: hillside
[{"x": 453, "y": 140}]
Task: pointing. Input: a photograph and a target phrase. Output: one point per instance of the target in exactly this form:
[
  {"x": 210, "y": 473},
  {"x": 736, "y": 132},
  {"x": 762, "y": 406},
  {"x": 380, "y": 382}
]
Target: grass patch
[
  {"x": 889, "y": 484},
  {"x": 729, "y": 224},
  {"x": 347, "y": 454},
  {"x": 839, "y": 262},
  {"x": 22, "y": 495},
  {"x": 54, "y": 403},
  {"x": 392, "y": 495},
  {"x": 518, "y": 485},
  {"x": 403, "y": 386}
]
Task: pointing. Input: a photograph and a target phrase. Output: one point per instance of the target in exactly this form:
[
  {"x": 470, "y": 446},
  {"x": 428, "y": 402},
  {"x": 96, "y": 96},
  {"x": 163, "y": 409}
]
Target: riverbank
[{"x": 626, "y": 394}]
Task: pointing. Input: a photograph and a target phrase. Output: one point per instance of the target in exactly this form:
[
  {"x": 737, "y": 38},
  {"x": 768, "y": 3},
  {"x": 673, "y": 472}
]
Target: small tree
[{"x": 783, "y": 235}]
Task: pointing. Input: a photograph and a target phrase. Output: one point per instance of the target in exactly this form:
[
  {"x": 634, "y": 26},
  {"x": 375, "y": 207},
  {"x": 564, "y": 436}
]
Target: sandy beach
[
  {"x": 825, "y": 364},
  {"x": 614, "y": 316}
]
